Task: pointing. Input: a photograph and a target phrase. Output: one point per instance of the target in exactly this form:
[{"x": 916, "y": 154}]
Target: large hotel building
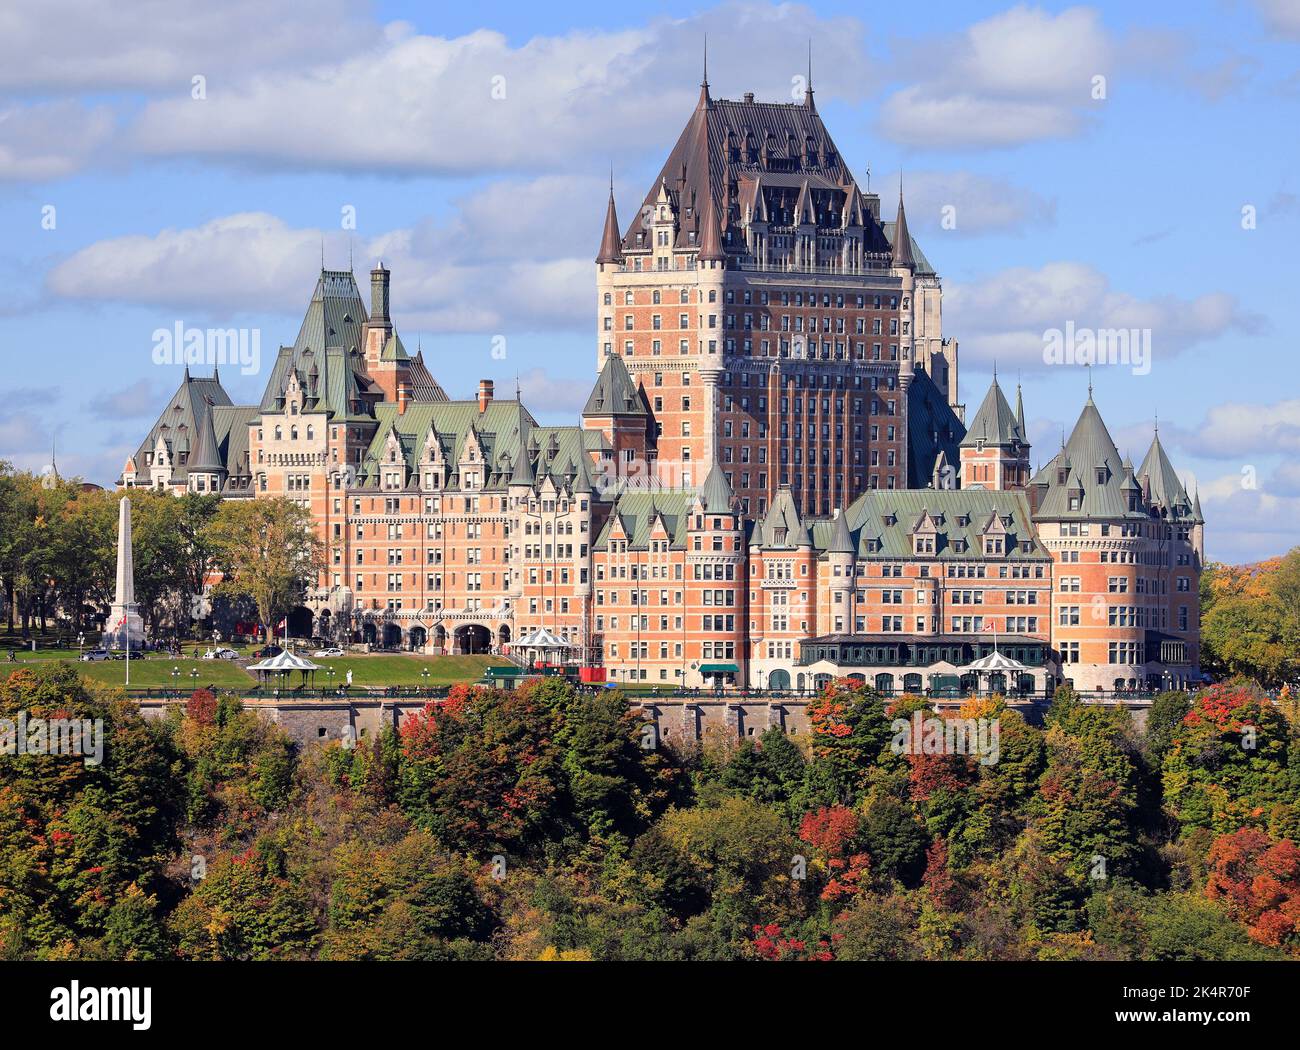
[{"x": 772, "y": 482}]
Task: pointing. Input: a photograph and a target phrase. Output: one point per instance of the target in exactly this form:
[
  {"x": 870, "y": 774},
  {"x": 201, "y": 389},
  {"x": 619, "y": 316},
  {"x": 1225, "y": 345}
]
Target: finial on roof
[
  {"x": 322, "y": 251},
  {"x": 351, "y": 268},
  {"x": 868, "y": 176},
  {"x": 1157, "y": 422},
  {"x": 1089, "y": 384},
  {"x": 808, "y": 92},
  {"x": 705, "y": 100}
]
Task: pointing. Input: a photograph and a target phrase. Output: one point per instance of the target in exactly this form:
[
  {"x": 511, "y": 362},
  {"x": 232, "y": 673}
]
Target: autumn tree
[{"x": 268, "y": 551}]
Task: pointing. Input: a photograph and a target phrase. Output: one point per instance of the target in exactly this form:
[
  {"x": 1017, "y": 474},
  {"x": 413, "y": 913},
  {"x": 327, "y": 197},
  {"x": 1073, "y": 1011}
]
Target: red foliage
[
  {"x": 1258, "y": 879},
  {"x": 939, "y": 882},
  {"x": 772, "y": 945},
  {"x": 831, "y": 829},
  {"x": 1226, "y": 707},
  {"x": 202, "y": 707},
  {"x": 929, "y": 773}
]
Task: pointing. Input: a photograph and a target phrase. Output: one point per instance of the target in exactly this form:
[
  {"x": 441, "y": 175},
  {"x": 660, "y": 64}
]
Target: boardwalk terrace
[{"x": 771, "y": 482}]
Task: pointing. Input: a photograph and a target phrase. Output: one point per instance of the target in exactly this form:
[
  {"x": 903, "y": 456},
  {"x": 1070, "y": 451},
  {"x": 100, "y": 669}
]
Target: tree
[
  {"x": 1258, "y": 879},
  {"x": 269, "y": 552}
]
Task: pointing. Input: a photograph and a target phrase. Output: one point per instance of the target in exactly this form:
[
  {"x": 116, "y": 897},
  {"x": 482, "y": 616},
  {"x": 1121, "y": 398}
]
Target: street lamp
[
  {"x": 176, "y": 673},
  {"x": 425, "y": 675},
  {"x": 81, "y": 644}
]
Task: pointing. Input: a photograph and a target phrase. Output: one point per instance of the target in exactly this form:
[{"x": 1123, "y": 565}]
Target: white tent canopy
[
  {"x": 995, "y": 662},
  {"x": 541, "y": 639},
  {"x": 284, "y": 662}
]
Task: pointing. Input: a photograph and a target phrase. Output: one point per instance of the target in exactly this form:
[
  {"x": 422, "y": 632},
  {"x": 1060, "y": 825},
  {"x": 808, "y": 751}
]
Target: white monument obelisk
[{"x": 125, "y": 627}]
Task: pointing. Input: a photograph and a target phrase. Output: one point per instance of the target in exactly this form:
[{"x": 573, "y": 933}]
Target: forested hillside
[{"x": 545, "y": 824}]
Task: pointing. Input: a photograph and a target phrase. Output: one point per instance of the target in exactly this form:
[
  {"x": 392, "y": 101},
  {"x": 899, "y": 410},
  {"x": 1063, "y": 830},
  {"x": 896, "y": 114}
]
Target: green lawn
[
  {"x": 396, "y": 669},
  {"x": 382, "y": 669}
]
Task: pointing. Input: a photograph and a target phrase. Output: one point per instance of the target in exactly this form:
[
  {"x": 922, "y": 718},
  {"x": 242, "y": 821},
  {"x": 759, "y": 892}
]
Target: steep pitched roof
[
  {"x": 636, "y": 511},
  {"x": 179, "y": 424},
  {"x": 715, "y": 494},
  {"x": 1166, "y": 490},
  {"x": 902, "y": 242},
  {"x": 994, "y": 424},
  {"x": 615, "y": 392},
  {"x": 781, "y": 526},
  {"x": 206, "y": 457},
  {"x": 611, "y": 250},
  {"x": 727, "y": 142},
  {"x": 1088, "y": 469},
  {"x": 933, "y": 431},
  {"x": 840, "y": 540}
]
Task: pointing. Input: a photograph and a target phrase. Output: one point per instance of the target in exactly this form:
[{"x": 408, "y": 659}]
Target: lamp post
[
  {"x": 425, "y": 675},
  {"x": 176, "y": 673},
  {"x": 194, "y": 676}
]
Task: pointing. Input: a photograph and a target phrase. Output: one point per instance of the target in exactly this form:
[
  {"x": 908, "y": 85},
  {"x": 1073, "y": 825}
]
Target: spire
[
  {"x": 705, "y": 100},
  {"x": 902, "y": 239},
  {"x": 1020, "y": 411},
  {"x": 206, "y": 458},
  {"x": 1090, "y": 385},
  {"x": 715, "y": 493},
  {"x": 711, "y": 233},
  {"x": 611, "y": 245},
  {"x": 808, "y": 92},
  {"x": 523, "y": 470},
  {"x": 841, "y": 540}
]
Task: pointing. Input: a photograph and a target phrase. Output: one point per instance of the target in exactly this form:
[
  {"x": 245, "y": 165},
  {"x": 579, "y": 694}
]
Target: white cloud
[
  {"x": 1248, "y": 524},
  {"x": 1237, "y": 429},
  {"x": 553, "y": 395},
  {"x": 511, "y": 257},
  {"x": 1281, "y": 16},
  {"x": 1016, "y": 77},
  {"x": 450, "y": 106},
  {"x": 159, "y": 45},
  {"x": 49, "y": 140},
  {"x": 137, "y": 399},
  {"x": 981, "y": 204},
  {"x": 1003, "y": 317}
]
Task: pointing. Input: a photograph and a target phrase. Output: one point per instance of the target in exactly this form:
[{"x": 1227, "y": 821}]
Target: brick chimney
[
  {"x": 484, "y": 394},
  {"x": 403, "y": 396}
]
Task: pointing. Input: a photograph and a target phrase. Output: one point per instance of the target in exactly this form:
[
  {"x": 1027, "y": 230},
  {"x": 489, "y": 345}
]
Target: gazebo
[
  {"x": 540, "y": 645},
  {"x": 285, "y": 663},
  {"x": 996, "y": 664}
]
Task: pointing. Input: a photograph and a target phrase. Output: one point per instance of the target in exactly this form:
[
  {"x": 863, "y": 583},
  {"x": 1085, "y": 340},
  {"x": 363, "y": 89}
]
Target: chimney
[
  {"x": 484, "y": 394},
  {"x": 749, "y": 96},
  {"x": 403, "y": 396},
  {"x": 379, "y": 295}
]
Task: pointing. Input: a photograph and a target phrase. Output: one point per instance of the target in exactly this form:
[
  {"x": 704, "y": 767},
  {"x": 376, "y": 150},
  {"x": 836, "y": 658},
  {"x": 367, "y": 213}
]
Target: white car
[
  {"x": 221, "y": 654},
  {"x": 91, "y": 655},
  {"x": 333, "y": 650}
]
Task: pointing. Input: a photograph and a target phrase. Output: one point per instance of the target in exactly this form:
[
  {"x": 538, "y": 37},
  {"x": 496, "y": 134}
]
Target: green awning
[
  {"x": 504, "y": 672},
  {"x": 719, "y": 669}
]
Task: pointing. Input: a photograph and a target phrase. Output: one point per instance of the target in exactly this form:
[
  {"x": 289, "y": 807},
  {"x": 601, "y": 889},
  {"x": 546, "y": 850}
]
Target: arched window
[{"x": 279, "y": 434}]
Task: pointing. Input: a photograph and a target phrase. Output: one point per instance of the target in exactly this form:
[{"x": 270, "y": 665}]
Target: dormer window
[
  {"x": 993, "y": 545},
  {"x": 778, "y": 536},
  {"x": 1101, "y": 475}
]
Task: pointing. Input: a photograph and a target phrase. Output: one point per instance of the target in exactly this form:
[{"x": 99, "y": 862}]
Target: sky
[{"x": 1066, "y": 168}]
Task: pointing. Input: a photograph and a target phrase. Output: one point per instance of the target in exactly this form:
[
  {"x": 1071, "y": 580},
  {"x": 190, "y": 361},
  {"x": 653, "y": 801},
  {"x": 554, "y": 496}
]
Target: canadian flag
[{"x": 989, "y": 625}]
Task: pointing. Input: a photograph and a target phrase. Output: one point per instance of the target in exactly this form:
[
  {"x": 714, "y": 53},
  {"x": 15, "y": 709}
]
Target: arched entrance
[
  {"x": 885, "y": 684},
  {"x": 326, "y": 624},
  {"x": 821, "y": 681},
  {"x": 440, "y": 638},
  {"x": 912, "y": 683},
  {"x": 858, "y": 678},
  {"x": 778, "y": 680},
  {"x": 300, "y": 621},
  {"x": 472, "y": 638},
  {"x": 419, "y": 637},
  {"x": 503, "y": 635},
  {"x": 369, "y": 633},
  {"x": 392, "y": 636}
]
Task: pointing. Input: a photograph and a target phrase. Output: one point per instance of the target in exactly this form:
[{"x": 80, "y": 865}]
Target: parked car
[
  {"x": 221, "y": 654},
  {"x": 91, "y": 655},
  {"x": 268, "y": 650},
  {"x": 332, "y": 650}
]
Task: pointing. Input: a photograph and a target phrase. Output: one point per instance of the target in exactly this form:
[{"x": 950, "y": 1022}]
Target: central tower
[{"x": 772, "y": 321}]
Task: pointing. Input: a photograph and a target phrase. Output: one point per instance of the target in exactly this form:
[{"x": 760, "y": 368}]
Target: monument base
[{"x": 125, "y": 629}]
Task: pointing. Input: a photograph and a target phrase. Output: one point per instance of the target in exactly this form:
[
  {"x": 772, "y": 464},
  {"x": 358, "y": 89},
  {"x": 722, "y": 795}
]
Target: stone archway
[
  {"x": 440, "y": 638},
  {"x": 392, "y": 636},
  {"x": 779, "y": 680},
  {"x": 369, "y": 633},
  {"x": 471, "y": 638},
  {"x": 419, "y": 638},
  {"x": 503, "y": 635}
]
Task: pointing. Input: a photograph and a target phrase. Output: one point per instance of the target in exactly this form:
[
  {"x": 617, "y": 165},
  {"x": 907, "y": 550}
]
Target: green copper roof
[
  {"x": 883, "y": 523},
  {"x": 615, "y": 392},
  {"x": 994, "y": 424},
  {"x": 715, "y": 493},
  {"x": 1166, "y": 490}
]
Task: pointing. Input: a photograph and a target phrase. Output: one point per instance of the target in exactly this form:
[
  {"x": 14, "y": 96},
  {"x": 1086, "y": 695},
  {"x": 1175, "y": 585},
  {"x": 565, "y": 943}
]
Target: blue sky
[{"x": 1123, "y": 210}]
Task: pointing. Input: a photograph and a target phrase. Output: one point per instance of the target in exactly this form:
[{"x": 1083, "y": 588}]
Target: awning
[
  {"x": 284, "y": 662},
  {"x": 995, "y": 662},
  {"x": 509, "y": 671},
  {"x": 719, "y": 669}
]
